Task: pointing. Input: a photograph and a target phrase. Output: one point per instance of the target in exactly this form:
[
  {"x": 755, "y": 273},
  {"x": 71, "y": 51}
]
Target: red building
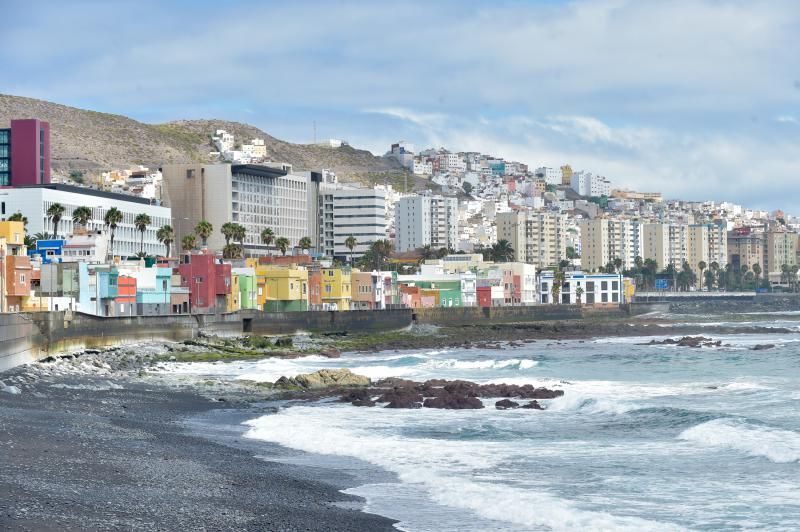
[
  {"x": 484, "y": 294},
  {"x": 314, "y": 289},
  {"x": 208, "y": 280},
  {"x": 25, "y": 153},
  {"x": 126, "y": 295}
]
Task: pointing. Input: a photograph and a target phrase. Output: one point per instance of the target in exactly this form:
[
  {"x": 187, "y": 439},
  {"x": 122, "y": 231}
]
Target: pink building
[{"x": 25, "y": 153}]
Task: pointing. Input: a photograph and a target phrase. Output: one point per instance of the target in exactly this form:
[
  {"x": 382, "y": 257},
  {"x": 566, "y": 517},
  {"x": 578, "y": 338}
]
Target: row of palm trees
[
  {"x": 112, "y": 219},
  {"x": 234, "y": 235}
]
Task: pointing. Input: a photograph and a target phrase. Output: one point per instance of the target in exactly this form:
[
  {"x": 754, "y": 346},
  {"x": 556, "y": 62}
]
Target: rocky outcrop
[
  {"x": 453, "y": 401},
  {"x": 762, "y": 347},
  {"x": 325, "y": 378},
  {"x": 505, "y": 404},
  {"x": 687, "y": 341},
  {"x": 534, "y": 405}
]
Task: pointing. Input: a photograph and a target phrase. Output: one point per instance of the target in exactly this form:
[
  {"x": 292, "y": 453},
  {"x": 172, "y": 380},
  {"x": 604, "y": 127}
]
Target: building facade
[
  {"x": 25, "y": 153},
  {"x": 426, "y": 220},
  {"x": 33, "y": 202},
  {"x": 350, "y": 211},
  {"x": 537, "y": 237},
  {"x": 255, "y": 196}
]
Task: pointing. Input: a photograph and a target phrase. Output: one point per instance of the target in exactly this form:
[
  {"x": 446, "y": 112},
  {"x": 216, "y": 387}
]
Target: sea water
[{"x": 646, "y": 437}]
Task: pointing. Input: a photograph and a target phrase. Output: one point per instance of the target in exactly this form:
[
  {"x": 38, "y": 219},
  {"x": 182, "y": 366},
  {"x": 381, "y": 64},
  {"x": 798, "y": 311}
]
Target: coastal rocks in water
[
  {"x": 325, "y": 378},
  {"x": 534, "y": 405},
  {"x": 330, "y": 352},
  {"x": 363, "y": 402},
  {"x": 402, "y": 397},
  {"x": 762, "y": 347},
  {"x": 453, "y": 401},
  {"x": 505, "y": 404},
  {"x": 687, "y": 341}
]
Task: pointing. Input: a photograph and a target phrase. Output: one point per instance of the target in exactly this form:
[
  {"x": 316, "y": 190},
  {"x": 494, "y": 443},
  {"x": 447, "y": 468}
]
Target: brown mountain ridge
[{"x": 92, "y": 142}]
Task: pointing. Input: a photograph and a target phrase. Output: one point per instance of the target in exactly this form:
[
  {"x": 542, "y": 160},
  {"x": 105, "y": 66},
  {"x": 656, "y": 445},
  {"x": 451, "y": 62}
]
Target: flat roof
[
  {"x": 257, "y": 169},
  {"x": 91, "y": 192}
]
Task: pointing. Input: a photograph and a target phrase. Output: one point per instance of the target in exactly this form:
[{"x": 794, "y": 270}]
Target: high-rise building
[
  {"x": 566, "y": 175},
  {"x": 537, "y": 237},
  {"x": 588, "y": 184},
  {"x": 603, "y": 240},
  {"x": 426, "y": 220},
  {"x": 551, "y": 176},
  {"x": 349, "y": 211},
  {"x": 780, "y": 248},
  {"x": 255, "y": 196},
  {"x": 25, "y": 153},
  {"x": 744, "y": 247}
]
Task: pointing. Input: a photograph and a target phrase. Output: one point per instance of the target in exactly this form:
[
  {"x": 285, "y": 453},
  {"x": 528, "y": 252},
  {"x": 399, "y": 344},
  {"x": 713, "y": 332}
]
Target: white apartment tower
[
  {"x": 426, "y": 220},
  {"x": 350, "y": 211}
]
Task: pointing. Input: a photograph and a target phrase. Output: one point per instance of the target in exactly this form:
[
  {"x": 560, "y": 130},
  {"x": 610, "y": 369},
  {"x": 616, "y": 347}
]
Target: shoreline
[
  {"x": 80, "y": 454},
  {"x": 88, "y": 445}
]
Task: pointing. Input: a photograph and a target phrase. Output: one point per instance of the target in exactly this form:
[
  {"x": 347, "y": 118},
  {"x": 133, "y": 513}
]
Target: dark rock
[
  {"x": 361, "y": 394},
  {"x": 762, "y": 347},
  {"x": 404, "y": 402},
  {"x": 453, "y": 402},
  {"x": 363, "y": 402},
  {"x": 534, "y": 405},
  {"x": 505, "y": 404}
]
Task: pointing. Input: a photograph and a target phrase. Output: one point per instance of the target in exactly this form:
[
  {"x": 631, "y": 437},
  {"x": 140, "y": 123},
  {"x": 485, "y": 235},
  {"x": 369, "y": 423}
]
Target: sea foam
[
  {"x": 445, "y": 472},
  {"x": 777, "y": 445}
]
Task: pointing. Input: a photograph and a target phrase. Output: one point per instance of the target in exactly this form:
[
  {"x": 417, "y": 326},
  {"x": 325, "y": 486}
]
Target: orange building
[
  {"x": 314, "y": 289},
  {"x": 17, "y": 281}
]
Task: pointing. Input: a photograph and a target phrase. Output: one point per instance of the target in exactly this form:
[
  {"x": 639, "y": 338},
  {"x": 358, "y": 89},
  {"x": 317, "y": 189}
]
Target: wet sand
[{"x": 82, "y": 457}]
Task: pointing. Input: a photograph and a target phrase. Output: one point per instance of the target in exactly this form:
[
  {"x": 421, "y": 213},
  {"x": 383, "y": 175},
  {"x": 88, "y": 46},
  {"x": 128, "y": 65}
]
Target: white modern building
[
  {"x": 346, "y": 211},
  {"x": 552, "y": 176},
  {"x": 255, "y": 196},
  {"x": 595, "y": 288},
  {"x": 588, "y": 184},
  {"x": 426, "y": 220},
  {"x": 33, "y": 202}
]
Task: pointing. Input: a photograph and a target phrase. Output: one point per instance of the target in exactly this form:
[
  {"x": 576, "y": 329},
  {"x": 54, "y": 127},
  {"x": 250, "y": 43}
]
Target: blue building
[{"x": 48, "y": 250}]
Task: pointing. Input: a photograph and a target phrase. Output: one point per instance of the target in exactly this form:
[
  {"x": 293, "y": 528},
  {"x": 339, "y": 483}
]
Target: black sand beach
[{"x": 86, "y": 458}]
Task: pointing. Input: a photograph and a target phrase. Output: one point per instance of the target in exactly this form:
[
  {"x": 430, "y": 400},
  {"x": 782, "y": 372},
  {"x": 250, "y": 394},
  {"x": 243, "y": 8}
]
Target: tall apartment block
[
  {"x": 25, "y": 153},
  {"x": 537, "y": 237},
  {"x": 255, "y": 196},
  {"x": 426, "y": 220},
  {"x": 350, "y": 211},
  {"x": 603, "y": 240}
]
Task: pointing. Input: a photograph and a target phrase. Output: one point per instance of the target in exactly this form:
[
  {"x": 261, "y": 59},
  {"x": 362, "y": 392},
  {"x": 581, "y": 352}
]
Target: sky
[{"x": 698, "y": 99}]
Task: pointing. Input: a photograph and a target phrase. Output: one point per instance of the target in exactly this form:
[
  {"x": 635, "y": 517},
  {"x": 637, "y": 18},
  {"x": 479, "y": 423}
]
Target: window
[
  {"x": 615, "y": 285},
  {"x": 604, "y": 285},
  {"x": 604, "y": 297},
  {"x": 615, "y": 297},
  {"x": 590, "y": 286}
]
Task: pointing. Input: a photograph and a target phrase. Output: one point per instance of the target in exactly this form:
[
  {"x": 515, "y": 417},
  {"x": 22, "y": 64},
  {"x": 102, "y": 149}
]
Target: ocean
[{"x": 646, "y": 437}]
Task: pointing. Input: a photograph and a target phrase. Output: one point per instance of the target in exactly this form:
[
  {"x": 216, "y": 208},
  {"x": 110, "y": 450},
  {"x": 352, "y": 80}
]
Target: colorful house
[
  {"x": 153, "y": 290},
  {"x": 208, "y": 280},
  {"x": 314, "y": 289},
  {"x": 233, "y": 302},
  {"x": 48, "y": 250},
  {"x": 336, "y": 288},
  {"x": 97, "y": 289},
  {"x": 447, "y": 287},
  {"x": 282, "y": 288},
  {"x": 248, "y": 287},
  {"x": 126, "y": 295},
  {"x": 367, "y": 291}
]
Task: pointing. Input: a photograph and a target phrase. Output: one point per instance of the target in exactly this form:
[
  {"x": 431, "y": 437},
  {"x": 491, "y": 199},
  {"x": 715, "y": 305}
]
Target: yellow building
[
  {"x": 336, "y": 288},
  {"x": 282, "y": 288},
  {"x": 232, "y": 300},
  {"x": 13, "y": 233}
]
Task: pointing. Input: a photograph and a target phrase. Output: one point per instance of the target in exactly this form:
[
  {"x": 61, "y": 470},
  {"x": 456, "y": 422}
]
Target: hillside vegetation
[{"x": 91, "y": 142}]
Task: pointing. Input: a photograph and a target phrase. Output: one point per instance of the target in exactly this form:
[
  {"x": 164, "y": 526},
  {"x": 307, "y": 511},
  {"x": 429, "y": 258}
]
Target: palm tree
[
  {"x": 579, "y": 294},
  {"x": 232, "y": 251},
  {"x": 502, "y": 251},
  {"x": 166, "y": 236},
  {"x": 350, "y": 243},
  {"x": 267, "y": 237},
  {"x": 282, "y": 243},
  {"x": 54, "y": 214},
  {"x": 227, "y": 231},
  {"x": 141, "y": 222},
  {"x": 618, "y": 264},
  {"x": 757, "y": 272},
  {"x": 19, "y": 217},
  {"x": 555, "y": 290},
  {"x": 203, "y": 229},
  {"x": 112, "y": 219},
  {"x": 793, "y": 272},
  {"x": 189, "y": 242},
  {"x": 742, "y": 274},
  {"x": 702, "y": 266},
  {"x": 305, "y": 243},
  {"x": 426, "y": 252},
  {"x": 81, "y": 216}
]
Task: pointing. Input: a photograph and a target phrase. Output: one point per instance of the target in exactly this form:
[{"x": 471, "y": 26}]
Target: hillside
[{"x": 92, "y": 142}]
